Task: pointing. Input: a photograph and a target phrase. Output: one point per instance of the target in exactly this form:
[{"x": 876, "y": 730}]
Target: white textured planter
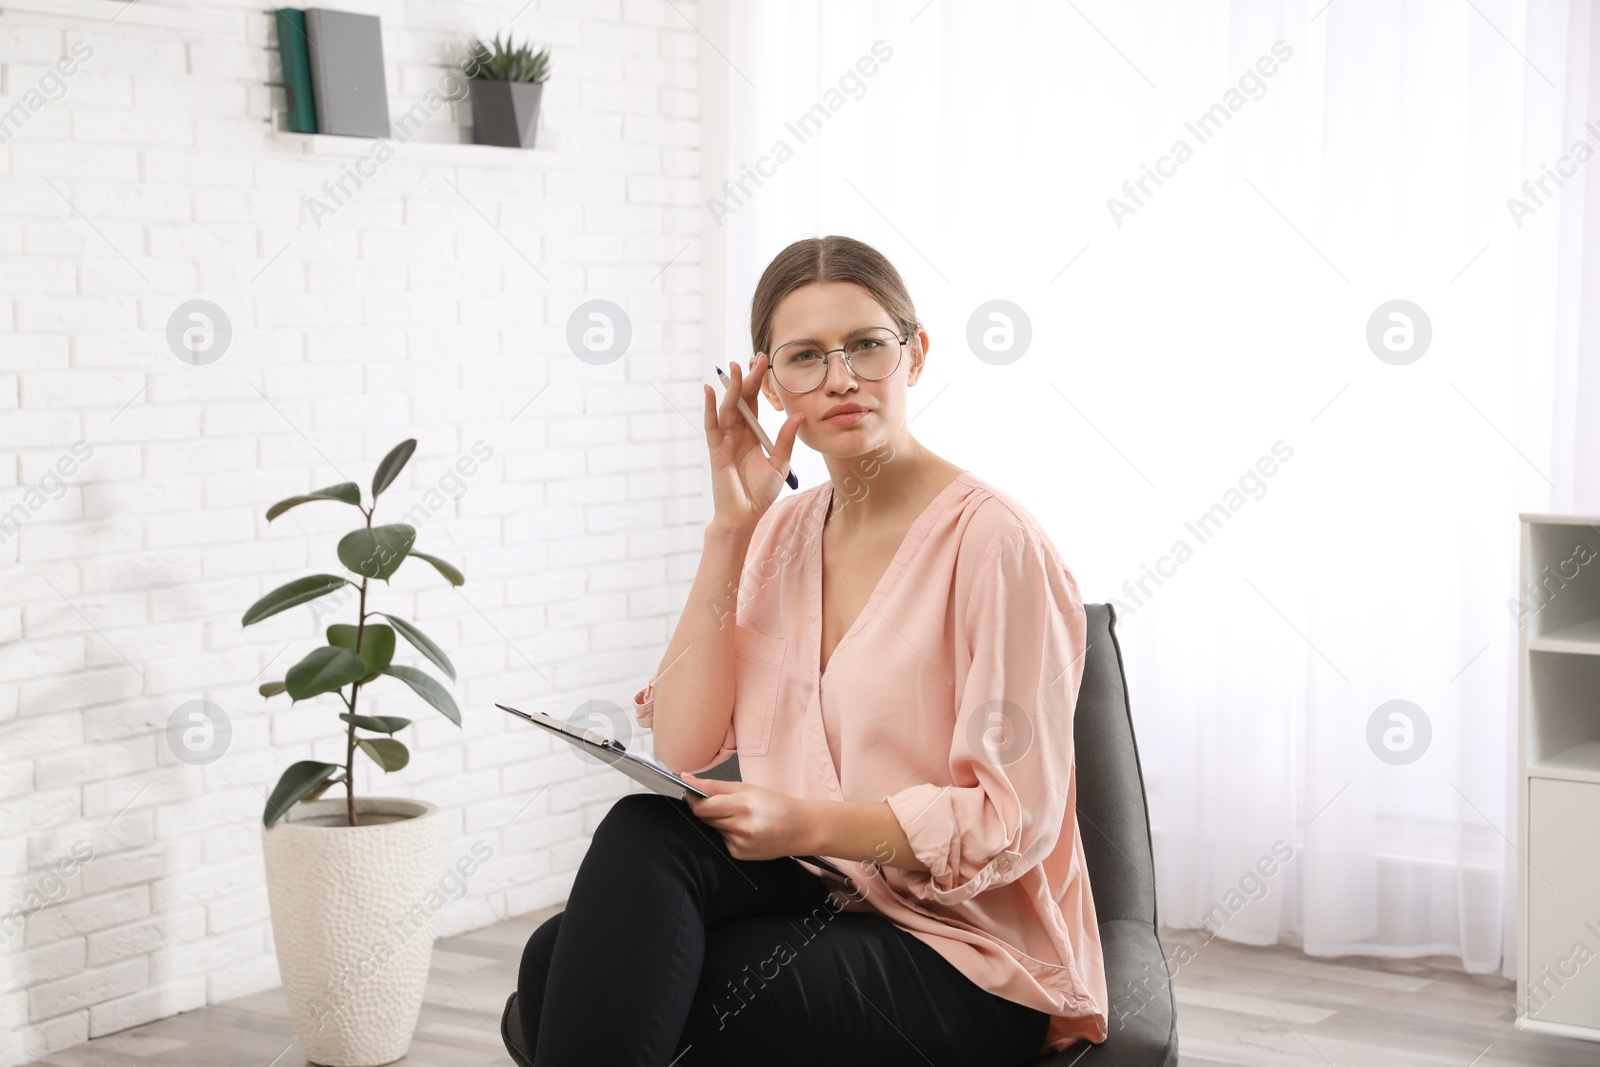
[{"x": 353, "y": 919}]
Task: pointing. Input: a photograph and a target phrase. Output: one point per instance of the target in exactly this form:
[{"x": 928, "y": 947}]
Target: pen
[{"x": 794, "y": 483}]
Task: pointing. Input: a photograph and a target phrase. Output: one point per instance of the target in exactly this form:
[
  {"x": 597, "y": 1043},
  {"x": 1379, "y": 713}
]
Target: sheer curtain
[{"x": 1301, "y": 496}]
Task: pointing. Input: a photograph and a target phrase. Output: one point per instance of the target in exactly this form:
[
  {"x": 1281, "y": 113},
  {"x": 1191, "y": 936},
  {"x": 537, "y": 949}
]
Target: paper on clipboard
[{"x": 639, "y": 766}]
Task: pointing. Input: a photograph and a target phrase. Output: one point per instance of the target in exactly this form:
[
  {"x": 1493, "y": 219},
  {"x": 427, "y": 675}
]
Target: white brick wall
[{"x": 433, "y": 304}]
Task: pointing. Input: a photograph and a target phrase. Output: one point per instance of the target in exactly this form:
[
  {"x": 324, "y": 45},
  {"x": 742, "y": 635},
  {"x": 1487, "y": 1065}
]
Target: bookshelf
[{"x": 1557, "y": 608}]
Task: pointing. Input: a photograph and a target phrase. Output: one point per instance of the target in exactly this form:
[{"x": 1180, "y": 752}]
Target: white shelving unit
[{"x": 1558, "y": 777}]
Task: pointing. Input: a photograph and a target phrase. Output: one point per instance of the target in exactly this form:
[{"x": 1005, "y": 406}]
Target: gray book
[{"x": 347, "y": 73}]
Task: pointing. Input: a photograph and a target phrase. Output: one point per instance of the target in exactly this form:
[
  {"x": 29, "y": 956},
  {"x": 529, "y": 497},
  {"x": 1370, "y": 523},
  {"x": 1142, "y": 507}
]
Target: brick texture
[{"x": 432, "y": 301}]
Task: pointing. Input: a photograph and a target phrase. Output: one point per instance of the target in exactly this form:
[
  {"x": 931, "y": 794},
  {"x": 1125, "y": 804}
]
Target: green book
[{"x": 292, "y": 47}]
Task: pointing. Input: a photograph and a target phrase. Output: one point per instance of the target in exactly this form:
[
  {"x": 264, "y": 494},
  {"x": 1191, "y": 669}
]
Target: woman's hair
[{"x": 827, "y": 259}]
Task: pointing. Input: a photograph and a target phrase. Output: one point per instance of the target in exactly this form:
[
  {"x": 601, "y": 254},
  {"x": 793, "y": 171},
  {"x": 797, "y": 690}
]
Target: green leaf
[
  {"x": 345, "y": 492},
  {"x": 428, "y": 689},
  {"x": 297, "y": 784},
  {"x": 389, "y": 468},
  {"x": 507, "y": 62},
  {"x": 377, "y": 642},
  {"x": 296, "y": 592},
  {"x": 376, "y": 552},
  {"x": 453, "y": 576},
  {"x": 423, "y": 644},
  {"x": 272, "y": 689},
  {"x": 382, "y": 724},
  {"x": 322, "y": 671},
  {"x": 323, "y": 788},
  {"x": 386, "y": 752}
]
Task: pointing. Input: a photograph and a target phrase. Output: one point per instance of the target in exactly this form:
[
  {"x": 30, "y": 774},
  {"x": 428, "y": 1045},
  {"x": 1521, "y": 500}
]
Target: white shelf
[
  {"x": 1561, "y": 520},
  {"x": 1582, "y": 638},
  {"x": 547, "y": 155},
  {"x": 1558, "y": 785}
]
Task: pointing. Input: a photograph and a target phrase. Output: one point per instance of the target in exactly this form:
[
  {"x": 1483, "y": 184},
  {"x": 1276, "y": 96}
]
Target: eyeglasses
[{"x": 874, "y": 353}]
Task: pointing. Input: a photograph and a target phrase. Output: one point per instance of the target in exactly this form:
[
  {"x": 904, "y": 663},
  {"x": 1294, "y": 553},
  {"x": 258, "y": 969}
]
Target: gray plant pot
[{"x": 505, "y": 113}]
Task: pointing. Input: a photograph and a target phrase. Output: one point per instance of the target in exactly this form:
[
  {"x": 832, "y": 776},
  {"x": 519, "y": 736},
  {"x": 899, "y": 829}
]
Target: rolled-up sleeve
[
  {"x": 644, "y": 704},
  {"x": 1010, "y": 759},
  {"x": 644, "y": 713}
]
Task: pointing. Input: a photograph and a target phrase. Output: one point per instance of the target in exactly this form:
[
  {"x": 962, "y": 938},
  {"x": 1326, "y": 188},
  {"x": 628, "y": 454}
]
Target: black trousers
[{"x": 671, "y": 951}]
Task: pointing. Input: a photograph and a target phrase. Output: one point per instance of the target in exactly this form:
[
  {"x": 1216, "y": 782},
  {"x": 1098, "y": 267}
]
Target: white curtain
[{"x": 1201, "y": 346}]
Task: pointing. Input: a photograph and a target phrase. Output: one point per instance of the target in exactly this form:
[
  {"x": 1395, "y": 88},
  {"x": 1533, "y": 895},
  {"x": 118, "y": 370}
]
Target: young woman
[{"x": 895, "y": 656}]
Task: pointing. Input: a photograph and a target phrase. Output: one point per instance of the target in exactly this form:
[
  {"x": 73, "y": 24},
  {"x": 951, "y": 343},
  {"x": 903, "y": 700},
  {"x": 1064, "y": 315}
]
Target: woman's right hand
[{"x": 744, "y": 481}]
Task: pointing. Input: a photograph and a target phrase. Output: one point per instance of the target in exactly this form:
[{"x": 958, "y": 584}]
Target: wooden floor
[
  {"x": 1250, "y": 1007},
  {"x": 1240, "y": 1006}
]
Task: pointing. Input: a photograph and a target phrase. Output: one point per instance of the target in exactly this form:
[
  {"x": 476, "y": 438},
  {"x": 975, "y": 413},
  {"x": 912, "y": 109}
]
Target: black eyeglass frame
[{"x": 903, "y": 341}]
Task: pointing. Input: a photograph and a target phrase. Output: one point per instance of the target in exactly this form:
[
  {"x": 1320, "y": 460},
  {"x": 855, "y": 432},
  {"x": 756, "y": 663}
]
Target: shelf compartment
[
  {"x": 1582, "y": 638},
  {"x": 1580, "y": 763},
  {"x": 1560, "y": 589},
  {"x": 1563, "y": 721}
]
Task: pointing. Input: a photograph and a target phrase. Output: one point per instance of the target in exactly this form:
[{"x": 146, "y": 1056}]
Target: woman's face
[{"x": 829, "y": 313}]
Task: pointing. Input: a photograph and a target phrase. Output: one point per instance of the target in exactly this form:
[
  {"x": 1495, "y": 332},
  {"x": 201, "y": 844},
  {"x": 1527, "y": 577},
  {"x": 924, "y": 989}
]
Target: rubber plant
[{"x": 356, "y": 656}]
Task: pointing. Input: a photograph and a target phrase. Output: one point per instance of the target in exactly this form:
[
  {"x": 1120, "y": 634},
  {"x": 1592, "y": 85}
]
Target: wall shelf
[{"x": 547, "y": 156}]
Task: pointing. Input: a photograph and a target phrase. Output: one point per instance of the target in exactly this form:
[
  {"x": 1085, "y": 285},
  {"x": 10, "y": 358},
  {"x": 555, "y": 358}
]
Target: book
[
  {"x": 347, "y": 83},
  {"x": 296, "y": 59},
  {"x": 639, "y": 766}
]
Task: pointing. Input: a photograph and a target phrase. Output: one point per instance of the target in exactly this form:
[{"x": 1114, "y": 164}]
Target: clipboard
[{"x": 641, "y": 767}]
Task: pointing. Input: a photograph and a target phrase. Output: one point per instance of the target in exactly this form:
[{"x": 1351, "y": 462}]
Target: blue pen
[{"x": 749, "y": 416}]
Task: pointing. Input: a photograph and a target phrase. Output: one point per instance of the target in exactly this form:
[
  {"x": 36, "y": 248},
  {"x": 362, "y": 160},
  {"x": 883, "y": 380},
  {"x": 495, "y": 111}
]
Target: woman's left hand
[{"x": 756, "y": 822}]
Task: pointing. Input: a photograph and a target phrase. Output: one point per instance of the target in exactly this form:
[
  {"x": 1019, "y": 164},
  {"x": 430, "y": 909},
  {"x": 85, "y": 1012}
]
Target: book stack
[{"x": 333, "y": 72}]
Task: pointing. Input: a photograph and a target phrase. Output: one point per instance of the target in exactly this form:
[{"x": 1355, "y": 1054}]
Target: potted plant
[
  {"x": 349, "y": 878},
  {"x": 506, "y": 82}
]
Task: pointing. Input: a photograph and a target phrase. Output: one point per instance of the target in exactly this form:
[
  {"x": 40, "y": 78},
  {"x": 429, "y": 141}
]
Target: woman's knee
[{"x": 641, "y": 820}]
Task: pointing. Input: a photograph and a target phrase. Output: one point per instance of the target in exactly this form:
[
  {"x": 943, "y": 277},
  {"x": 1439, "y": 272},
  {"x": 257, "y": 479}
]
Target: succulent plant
[
  {"x": 507, "y": 62},
  {"x": 356, "y": 655}
]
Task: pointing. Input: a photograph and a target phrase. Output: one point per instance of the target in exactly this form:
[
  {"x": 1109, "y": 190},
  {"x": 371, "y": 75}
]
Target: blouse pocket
[{"x": 758, "y": 667}]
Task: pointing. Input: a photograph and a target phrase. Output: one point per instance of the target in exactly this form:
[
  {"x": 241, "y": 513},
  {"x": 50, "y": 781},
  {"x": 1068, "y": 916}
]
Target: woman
[{"x": 895, "y": 656}]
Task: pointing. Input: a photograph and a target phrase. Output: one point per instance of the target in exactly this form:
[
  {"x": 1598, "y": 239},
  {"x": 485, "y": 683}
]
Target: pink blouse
[{"x": 951, "y": 697}]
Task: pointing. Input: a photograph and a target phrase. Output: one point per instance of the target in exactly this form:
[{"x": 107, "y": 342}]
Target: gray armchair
[{"x": 1142, "y": 1021}]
